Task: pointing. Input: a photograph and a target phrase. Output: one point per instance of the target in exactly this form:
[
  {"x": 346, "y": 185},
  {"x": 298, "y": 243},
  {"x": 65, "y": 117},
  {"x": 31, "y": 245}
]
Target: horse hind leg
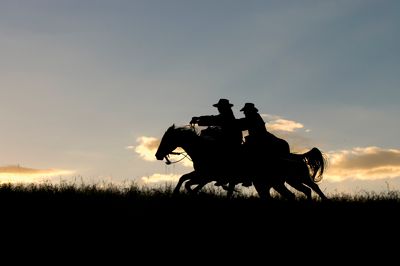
[
  {"x": 317, "y": 190},
  {"x": 284, "y": 191},
  {"x": 305, "y": 178},
  {"x": 314, "y": 186},
  {"x": 296, "y": 184}
]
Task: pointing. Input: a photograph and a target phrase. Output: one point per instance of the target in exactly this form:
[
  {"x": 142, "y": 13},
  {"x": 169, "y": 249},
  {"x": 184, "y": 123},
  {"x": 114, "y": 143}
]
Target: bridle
[
  {"x": 185, "y": 155},
  {"x": 168, "y": 161}
]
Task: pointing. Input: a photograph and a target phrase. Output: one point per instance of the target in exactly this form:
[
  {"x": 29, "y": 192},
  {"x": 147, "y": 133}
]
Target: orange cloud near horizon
[
  {"x": 16, "y": 173},
  {"x": 363, "y": 163}
]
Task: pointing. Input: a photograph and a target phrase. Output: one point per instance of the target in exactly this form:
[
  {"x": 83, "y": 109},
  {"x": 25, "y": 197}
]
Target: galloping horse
[{"x": 210, "y": 165}]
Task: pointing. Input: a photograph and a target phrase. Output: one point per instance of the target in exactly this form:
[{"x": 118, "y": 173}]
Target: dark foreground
[
  {"x": 71, "y": 205},
  {"x": 91, "y": 217}
]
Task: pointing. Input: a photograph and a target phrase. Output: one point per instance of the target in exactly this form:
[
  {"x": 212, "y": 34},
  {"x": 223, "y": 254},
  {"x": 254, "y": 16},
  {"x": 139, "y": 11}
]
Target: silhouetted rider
[
  {"x": 230, "y": 137},
  {"x": 259, "y": 141},
  {"x": 254, "y": 124}
]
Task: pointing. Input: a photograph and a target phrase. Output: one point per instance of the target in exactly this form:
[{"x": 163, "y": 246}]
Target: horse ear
[{"x": 171, "y": 127}]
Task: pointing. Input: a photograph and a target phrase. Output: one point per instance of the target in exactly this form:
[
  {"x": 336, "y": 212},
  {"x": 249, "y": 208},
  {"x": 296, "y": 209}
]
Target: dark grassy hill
[
  {"x": 148, "y": 205},
  {"x": 93, "y": 216}
]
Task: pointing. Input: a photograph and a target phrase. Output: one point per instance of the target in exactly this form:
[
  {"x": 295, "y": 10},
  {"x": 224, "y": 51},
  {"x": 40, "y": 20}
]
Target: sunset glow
[
  {"x": 88, "y": 88},
  {"x": 18, "y": 174},
  {"x": 160, "y": 178},
  {"x": 363, "y": 163}
]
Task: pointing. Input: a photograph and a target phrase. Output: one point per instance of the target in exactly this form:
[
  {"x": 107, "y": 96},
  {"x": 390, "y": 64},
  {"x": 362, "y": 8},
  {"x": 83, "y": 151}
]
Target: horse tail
[{"x": 315, "y": 161}]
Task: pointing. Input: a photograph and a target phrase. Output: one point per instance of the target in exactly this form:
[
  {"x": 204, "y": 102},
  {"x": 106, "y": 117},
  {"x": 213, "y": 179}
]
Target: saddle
[{"x": 213, "y": 133}]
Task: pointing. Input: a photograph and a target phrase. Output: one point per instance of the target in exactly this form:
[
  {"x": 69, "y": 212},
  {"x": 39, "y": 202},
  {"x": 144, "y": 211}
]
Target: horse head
[
  {"x": 167, "y": 144},
  {"x": 175, "y": 137}
]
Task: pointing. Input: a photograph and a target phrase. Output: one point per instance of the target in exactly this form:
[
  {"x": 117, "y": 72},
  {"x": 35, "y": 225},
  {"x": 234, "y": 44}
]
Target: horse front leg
[
  {"x": 188, "y": 185},
  {"x": 263, "y": 189},
  {"x": 183, "y": 178},
  {"x": 199, "y": 186},
  {"x": 230, "y": 189}
]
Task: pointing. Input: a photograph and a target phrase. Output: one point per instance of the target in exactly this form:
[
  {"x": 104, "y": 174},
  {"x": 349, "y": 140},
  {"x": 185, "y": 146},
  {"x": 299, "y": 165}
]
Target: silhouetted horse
[{"x": 210, "y": 165}]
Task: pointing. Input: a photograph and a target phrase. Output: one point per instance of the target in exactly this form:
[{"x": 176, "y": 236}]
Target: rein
[{"x": 185, "y": 155}]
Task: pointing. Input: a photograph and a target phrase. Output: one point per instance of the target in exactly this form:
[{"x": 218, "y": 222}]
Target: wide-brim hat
[
  {"x": 249, "y": 107},
  {"x": 223, "y": 103}
]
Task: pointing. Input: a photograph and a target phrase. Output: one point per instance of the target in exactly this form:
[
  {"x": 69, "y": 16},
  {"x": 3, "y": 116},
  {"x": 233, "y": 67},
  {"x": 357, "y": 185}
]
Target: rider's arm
[{"x": 209, "y": 120}]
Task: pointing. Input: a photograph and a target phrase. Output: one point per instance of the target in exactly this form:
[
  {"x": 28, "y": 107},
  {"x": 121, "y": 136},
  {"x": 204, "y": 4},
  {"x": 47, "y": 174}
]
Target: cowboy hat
[
  {"x": 249, "y": 107},
  {"x": 223, "y": 103}
]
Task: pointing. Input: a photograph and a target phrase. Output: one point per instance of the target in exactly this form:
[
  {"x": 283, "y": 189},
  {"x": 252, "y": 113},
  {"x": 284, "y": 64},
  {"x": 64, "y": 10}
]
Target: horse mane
[{"x": 186, "y": 129}]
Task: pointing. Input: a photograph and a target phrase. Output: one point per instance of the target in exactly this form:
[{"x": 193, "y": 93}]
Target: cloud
[
  {"x": 158, "y": 178},
  {"x": 291, "y": 131},
  {"x": 277, "y": 123},
  {"x": 363, "y": 163},
  {"x": 16, "y": 173},
  {"x": 146, "y": 148}
]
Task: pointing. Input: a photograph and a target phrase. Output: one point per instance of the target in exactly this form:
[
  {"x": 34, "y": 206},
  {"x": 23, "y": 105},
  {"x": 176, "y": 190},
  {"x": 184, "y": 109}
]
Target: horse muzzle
[{"x": 159, "y": 156}]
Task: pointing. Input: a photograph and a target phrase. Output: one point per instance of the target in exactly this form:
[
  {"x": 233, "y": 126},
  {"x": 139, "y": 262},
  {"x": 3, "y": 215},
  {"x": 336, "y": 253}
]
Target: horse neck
[{"x": 190, "y": 143}]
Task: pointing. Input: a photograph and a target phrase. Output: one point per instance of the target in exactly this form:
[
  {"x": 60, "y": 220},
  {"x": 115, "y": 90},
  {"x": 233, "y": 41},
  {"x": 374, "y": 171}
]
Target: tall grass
[{"x": 165, "y": 191}]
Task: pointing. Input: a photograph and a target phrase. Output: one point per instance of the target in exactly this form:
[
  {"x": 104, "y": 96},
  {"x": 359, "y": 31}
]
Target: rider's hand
[{"x": 194, "y": 120}]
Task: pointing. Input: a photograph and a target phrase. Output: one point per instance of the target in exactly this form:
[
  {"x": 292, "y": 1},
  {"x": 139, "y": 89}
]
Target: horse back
[{"x": 277, "y": 145}]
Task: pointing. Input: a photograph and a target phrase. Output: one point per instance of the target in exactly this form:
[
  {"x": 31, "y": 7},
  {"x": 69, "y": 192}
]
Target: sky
[{"x": 88, "y": 88}]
